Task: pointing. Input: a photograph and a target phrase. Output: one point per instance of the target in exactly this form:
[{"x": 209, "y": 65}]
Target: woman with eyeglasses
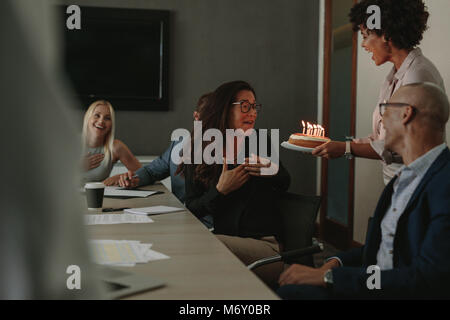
[
  {"x": 240, "y": 198},
  {"x": 402, "y": 25}
]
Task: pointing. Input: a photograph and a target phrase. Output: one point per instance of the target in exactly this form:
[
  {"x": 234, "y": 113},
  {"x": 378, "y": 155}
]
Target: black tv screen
[{"x": 120, "y": 55}]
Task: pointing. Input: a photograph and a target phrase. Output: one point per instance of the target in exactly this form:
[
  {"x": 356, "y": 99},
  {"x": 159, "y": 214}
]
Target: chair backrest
[{"x": 299, "y": 214}]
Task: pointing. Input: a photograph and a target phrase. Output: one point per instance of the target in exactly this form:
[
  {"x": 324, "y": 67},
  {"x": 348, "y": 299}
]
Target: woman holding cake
[
  {"x": 241, "y": 200},
  {"x": 100, "y": 149},
  {"x": 402, "y": 27}
]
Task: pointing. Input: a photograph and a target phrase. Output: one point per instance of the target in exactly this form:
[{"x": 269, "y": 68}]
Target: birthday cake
[{"x": 306, "y": 140}]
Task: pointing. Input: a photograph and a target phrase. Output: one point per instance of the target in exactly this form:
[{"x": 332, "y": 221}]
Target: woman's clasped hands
[
  {"x": 255, "y": 166},
  {"x": 231, "y": 180}
]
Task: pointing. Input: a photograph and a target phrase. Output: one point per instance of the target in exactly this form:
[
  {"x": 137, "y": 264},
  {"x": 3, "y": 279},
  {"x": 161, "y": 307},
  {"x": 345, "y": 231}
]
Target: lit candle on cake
[{"x": 312, "y": 136}]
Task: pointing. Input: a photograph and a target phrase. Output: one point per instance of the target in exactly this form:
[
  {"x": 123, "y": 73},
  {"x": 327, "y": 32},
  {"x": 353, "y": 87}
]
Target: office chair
[{"x": 298, "y": 213}]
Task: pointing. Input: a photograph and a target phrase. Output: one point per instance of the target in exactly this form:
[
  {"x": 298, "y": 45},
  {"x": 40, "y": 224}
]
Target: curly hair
[{"x": 402, "y": 21}]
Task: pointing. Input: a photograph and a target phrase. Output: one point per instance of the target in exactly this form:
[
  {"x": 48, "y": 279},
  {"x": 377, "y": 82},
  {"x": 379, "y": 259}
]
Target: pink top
[{"x": 415, "y": 68}]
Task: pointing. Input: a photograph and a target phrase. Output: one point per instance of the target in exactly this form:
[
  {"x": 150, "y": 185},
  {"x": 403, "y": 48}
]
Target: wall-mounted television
[{"x": 120, "y": 55}]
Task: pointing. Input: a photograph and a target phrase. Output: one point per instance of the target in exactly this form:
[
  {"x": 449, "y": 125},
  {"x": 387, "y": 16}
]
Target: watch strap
[
  {"x": 328, "y": 278},
  {"x": 348, "y": 150}
]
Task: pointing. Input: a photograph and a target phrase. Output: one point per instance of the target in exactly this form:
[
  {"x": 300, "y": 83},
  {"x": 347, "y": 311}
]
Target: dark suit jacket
[{"x": 421, "y": 244}]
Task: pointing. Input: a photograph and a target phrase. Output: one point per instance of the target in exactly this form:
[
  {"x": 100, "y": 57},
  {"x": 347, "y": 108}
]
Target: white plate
[{"x": 289, "y": 146}]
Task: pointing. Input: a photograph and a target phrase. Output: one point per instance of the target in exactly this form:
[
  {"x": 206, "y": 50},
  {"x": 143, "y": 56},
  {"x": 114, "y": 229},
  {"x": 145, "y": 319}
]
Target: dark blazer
[{"x": 421, "y": 244}]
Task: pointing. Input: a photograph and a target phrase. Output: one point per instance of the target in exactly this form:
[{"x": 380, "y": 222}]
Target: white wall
[
  {"x": 436, "y": 42},
  {"x": 368, "y": 177}
]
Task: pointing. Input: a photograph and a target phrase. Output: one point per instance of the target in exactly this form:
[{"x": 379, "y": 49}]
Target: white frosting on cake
[{"x": 311, "y": 138}]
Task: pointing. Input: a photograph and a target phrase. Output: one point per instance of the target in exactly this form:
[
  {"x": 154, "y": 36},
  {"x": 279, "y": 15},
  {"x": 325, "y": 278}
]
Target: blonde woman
[{"x": 100, "y": 149}]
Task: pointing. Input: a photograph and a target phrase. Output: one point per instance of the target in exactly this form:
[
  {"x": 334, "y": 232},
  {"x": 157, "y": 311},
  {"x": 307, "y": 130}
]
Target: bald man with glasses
[{"x": 409, "y": 237}]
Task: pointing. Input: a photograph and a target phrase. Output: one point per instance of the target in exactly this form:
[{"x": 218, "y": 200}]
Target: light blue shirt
[
  {"x": 163, "y": 167},
  {"x": 408, "y": 179}
]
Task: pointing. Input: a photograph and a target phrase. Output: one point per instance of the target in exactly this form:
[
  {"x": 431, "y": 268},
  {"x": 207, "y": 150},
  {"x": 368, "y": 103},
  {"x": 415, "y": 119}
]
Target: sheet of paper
[
  {"x": 153, "y": 210},
  {"x": 115, "y": 218},
  {"x": 119, "y": 192},
  {"x": 153, "y": 255},
  {"x": 111, "y": 252},
  {"x": 123, "y": 252}
]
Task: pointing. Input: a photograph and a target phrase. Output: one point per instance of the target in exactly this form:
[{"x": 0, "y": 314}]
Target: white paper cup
[{"x": 94, "y": 195}]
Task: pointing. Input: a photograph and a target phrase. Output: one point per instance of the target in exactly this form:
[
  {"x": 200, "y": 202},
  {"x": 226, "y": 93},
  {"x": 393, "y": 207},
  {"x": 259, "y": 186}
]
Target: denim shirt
[
  {"x": 415, "y": 68},
  {"x": 163, "y": 167}
]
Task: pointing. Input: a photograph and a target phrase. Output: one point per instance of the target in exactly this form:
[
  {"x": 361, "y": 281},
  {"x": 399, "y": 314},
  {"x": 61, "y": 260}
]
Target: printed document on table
[
  {"x": 153, "y": 210},
  {"x": 115, "y": 218},
  {"x": 123, "y": 252},
  {"x": 119, "y": 192}
]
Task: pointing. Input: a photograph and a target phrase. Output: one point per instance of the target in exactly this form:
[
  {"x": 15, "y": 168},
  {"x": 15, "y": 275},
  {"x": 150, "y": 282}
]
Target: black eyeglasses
[
  {"x": 246, "y": 106},
  {"x": 383, "y": 106}
]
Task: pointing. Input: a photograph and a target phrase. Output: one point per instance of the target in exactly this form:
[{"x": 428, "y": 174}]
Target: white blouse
[{"x": 415, "y": 68}]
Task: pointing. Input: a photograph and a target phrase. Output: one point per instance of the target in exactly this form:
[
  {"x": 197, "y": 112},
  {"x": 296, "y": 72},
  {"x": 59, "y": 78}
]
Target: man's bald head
[{"x": 430, "y": 101}]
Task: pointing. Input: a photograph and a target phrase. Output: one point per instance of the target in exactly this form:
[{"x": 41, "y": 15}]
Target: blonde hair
[{"x": 109, "y": 139}]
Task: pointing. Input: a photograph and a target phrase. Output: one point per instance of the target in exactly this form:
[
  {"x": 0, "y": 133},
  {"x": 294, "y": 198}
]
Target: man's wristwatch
[{"x": 328, "y": 278}]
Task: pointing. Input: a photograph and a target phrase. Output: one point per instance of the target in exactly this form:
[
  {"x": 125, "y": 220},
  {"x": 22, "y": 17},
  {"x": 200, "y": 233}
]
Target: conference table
[{"x": 200, "y": 266}]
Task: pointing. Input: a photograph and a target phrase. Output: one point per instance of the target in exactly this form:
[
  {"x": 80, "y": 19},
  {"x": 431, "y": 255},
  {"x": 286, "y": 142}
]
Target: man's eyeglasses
[
  {"x": 246, "y": 106},
  {"x": 383, "y": 106}
]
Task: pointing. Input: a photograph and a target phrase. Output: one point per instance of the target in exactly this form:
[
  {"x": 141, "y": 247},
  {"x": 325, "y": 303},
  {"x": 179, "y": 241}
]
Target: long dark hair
[{"x": 215, "y": 114}]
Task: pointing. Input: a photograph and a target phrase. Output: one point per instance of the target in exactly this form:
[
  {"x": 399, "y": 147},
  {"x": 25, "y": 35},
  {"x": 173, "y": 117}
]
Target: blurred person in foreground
[{"x": 41, "y": 232}]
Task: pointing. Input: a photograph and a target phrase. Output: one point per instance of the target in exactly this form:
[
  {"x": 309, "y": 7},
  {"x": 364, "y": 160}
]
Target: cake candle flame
[{"x": 310, "y": 129}]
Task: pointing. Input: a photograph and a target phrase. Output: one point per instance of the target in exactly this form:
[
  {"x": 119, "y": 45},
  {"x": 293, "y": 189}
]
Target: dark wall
[{"x": 271, "y": 44}]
